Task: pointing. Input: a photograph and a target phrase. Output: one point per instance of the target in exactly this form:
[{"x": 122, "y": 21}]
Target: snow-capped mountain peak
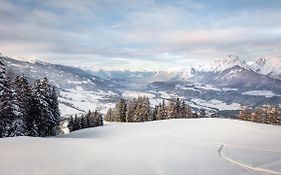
[
  {"x": 267, "y": 66},
  {"x": 222, "y": 64}
]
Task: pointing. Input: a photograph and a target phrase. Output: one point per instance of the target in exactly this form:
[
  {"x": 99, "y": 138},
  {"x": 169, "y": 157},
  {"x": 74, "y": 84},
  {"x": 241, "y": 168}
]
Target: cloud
[{"x": 128, "y": 34}]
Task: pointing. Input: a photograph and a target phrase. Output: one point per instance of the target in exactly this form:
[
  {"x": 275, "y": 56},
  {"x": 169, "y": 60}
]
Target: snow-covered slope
[
  {"x": 80, "y": 90},
  {"x": 178, "y": 147}
]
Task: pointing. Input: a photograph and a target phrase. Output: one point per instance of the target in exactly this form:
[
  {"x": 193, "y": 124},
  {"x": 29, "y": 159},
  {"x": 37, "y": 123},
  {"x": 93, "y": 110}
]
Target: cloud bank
[{"x": 131, "y": 34}]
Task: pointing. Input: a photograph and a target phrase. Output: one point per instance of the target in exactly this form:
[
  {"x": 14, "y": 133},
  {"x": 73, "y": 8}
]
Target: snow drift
[{"x": 181, "y": 146}]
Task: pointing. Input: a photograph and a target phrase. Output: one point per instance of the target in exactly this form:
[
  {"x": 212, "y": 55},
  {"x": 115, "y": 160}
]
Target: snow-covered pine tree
[
  {"x": 12, "y": 118},
  {"x": 93, "y": 119},
  {"x": 154, "y": 112},
  {"x": 99, "y": 118},
  {"x": 70, "y": 124},
  {"x": 83, "y": 121},
  {"x": 131, "y": 107},
  {"x": 76, "y": 122},
  {"x": 162, "y": 111},
  {"x": 120, "y": 111},
  {"x": 87, "y": 119},
  {"x": 23, "y": 92},
  {"x": 109, "y": 115},
  {"x": 177, "y": 109},
  {"x": 3, "y": 85},
  {"x": 202, "y": 113},
  {"x": 54, "y": 104},
  {"x": 45, "y": 119},
  {"x": 171, "y": 109},
  {"x": 138, "y": 113},
  {"x": 3, "y": 79},
  {"x": 145, "y": 110}
]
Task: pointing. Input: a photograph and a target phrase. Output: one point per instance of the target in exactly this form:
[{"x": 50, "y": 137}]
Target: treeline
[
  {"x": 264, "y": 114},
  {"x": 25, "y": 109},
  {"x": 140, "y": 110},
  {"x": 90, "y": 119}
]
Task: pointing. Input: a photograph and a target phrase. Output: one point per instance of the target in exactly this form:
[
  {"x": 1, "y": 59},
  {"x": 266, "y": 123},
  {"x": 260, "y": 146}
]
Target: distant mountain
[
  {"x": 222, "y": 85},
  {"x": 270, "y": 66},
  {"x": 222, "y": 64}
]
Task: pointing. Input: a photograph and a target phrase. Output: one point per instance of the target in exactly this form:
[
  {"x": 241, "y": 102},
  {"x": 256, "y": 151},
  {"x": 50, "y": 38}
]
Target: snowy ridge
[
  {"x": 267, "y": 66},
  {"x": 222, "y": 64}
]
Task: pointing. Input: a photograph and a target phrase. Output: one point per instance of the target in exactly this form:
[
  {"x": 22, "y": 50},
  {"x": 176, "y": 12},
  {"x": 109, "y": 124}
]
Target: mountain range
[{"x": 220, "y": 86}]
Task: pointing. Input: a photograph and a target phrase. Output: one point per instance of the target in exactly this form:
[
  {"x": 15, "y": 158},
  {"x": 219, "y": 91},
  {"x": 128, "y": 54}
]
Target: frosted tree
[
  {"x": 45, "y": 119},
  {"x": 24, "y": 92},
  {"x": 171, "y": 109},
  {"x": 3, "y": 79},
  {"x": 145, "y": 109},
  {"x": 12, "y": 118},
  {"x": 70, "y": 124},
  {"x": 161, "y": 111},
  {"x": 131, "y": 108},
  {"x": 109, "y": 115},
  {"x": 120, "y": 111},
  {"x": 202, "y": 113}
]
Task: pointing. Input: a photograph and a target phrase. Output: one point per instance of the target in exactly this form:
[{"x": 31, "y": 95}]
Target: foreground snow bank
[{"x": 183, "y": 146}]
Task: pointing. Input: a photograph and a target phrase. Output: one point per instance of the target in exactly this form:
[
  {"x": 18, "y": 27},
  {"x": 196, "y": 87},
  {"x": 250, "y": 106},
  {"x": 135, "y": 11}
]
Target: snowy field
[
  {"x": 83, "y": 100},
  {"x": 183, "y": 146}
]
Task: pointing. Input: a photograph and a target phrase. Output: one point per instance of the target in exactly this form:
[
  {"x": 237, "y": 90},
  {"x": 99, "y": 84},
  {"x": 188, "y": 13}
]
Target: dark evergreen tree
[
  {"x": 71, "y": 124},
  {"x": 131, "y": 107},
  {"x": 109, "y": 115},
  {"x": 3, "y": 85},
  {"x": 202, "y": 113},
  {"x": 3, "y": 79},
  {"x": 76, "y": 122},
  {"x": 120, "y": 111},
  {"x": 45, "y": 119}
]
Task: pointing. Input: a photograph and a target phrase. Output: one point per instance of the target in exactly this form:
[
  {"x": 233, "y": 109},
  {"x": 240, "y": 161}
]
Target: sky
[{"x": 137, "y": 35}]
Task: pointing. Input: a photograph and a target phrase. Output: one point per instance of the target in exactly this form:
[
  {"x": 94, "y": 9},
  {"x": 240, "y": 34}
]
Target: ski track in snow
[
  {"x": 179, "y": 146},
  {"x": 245, "y": 165}
]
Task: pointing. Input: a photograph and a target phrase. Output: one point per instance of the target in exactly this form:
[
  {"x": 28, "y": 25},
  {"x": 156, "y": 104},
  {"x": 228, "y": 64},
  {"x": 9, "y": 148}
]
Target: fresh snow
[
  {"x": 178, "y": 147},
  {"x": 136, "y": 94},
  {"x": 269, "y": 65},
  {"x": 222, "y": 64},
  {"x": 84, "y": 101},
  {"x": 66, "y": 110},
  {"x": 265, "y": 93},
  {"x": 217, "y": 104}
]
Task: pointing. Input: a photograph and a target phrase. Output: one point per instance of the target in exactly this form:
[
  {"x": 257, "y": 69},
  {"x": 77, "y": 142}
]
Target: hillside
[
  {"x": 80, "y": 90},
  {"x": 191, "y": 146}
]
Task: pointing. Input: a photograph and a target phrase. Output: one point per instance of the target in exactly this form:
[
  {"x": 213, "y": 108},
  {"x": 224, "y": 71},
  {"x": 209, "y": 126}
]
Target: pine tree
[
  {"x": 120, "y": 111},
  {"x": 23, "y": 92},
  {"x": 202, "y": 113},
  {"x": 109, "y": 115},
  {"x": 45, "y": 118},
  {"x": 131, "y": 107},
  {"x": 99, "y": 119},
  {"x": 71, "y": 124},
  {"x": 161, "y": 112},
  {"x": 12, "y": 123},
  {"x": 3, "y": 86},
  {"x": 145, "y": 110},
  {"x": 76, "y": 123},
  {"x": 54, "y": 104},
  {"x": 3, "y": 79},
  {"x": 154, "y": 113},
  {"x": 245, "y": 113}
]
